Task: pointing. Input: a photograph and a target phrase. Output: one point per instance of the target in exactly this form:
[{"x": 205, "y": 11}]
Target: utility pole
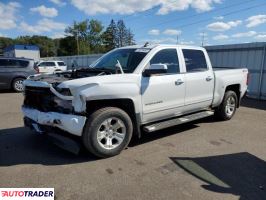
[
  {"x": 77, "y": 39},
  {"x": 202, "y": 38},
  {"x": 177, "y": 39}
]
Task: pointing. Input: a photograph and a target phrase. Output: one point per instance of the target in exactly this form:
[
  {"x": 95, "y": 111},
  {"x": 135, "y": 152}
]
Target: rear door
[
  {"x": 199, "y": 80},
  {"x": 163, "y": 94},
  {"x": 61, "y": 66},
  {"x": 47, "y": 67}
]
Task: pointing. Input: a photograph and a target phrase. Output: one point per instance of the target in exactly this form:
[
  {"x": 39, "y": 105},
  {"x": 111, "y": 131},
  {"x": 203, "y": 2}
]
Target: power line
[
  {"x": 143, "y": 12},
  {"x": 198, "y": 14},
  {"x": 190, "y": 16},
  {"x": 204, "y": 20}
]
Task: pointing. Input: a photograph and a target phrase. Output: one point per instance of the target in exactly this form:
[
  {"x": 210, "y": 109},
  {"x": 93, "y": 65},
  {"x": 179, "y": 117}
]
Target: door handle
[
  {"x": 209, "y": 78},
  {"x": 179, "y": 82}
]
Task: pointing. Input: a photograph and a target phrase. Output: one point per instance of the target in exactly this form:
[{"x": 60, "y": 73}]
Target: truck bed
[
  {"x": 225, "y": 68},
  {"x": 228, "y": 76}
]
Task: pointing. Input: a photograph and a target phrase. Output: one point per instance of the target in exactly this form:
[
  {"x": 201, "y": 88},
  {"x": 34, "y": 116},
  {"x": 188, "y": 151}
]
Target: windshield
[{"x": 129, "y": 59}]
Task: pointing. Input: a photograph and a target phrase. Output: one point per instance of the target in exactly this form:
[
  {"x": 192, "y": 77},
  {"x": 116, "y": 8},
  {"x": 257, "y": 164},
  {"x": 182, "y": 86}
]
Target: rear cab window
[{"x": 195, "y": 60}]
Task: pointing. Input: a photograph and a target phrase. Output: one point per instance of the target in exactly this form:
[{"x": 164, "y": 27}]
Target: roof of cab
[{"x": 151, "y": 46}]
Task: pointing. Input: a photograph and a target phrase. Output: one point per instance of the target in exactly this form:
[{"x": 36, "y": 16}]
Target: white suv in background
[{"x": 51, "y": 66}]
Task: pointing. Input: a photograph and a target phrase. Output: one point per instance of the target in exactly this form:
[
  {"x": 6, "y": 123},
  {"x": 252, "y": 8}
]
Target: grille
[
  {"x": 43, "y": 100},
  {"x": 39, "y": 98}
]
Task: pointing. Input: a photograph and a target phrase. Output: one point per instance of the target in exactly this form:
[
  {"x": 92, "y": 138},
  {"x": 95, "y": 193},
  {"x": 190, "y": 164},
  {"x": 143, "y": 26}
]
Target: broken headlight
[
  {"x": 63, "y": 91},
  {"x": 63, "y": 106}
]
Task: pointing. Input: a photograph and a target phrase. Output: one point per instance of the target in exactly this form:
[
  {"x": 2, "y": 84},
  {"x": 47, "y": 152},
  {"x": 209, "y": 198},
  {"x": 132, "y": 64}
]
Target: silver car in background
[{"x": 13, "y": 71}]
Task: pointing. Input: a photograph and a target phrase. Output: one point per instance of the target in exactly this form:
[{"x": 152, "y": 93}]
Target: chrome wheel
[
  {"x": 111, "y": 133},
  {"x": 230, "y": 106},
  {"x": 18, "y": 85}
]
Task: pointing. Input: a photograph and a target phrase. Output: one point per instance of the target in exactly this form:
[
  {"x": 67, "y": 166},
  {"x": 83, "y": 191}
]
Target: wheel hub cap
[
  {"x": 230, "y": 106},
  {"x": 111, "y": 133}
]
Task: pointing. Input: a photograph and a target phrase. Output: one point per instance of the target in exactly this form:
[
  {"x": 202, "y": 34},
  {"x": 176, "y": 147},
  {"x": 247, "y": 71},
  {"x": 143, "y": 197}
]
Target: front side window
[
  {"x": 128, "y": 58},
  {"x": 169, "y": 58},
  {"x": 195, "y": 60},
  {"x": 42, "y": 64}
]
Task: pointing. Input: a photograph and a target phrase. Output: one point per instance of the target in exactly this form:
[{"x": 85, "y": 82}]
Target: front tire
[
  {"x": 107, "y": 132},
  {"x": 228, "y": 106},
  {"x": 17, "y": 84}
]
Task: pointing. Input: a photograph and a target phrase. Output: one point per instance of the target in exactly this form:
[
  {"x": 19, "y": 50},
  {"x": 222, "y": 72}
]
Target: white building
[{"x": 23, "y": 51}]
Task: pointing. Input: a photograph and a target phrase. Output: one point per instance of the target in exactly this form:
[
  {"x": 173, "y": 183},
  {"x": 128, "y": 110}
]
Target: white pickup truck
[{"x": 130, "y": 91}]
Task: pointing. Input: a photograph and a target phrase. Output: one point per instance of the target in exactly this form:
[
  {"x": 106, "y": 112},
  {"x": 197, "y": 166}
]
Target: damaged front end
[{"x": 46, "y": 105}]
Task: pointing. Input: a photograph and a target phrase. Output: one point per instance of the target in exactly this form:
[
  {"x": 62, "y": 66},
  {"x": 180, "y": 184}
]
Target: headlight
[{"x": 63, "y": 91}]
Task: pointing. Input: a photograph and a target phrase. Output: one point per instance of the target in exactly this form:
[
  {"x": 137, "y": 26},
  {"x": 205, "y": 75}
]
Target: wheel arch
[
  {"x": 125, "y": 104},
  {"x": 14, "y": 78},
  {"x": 235, "y": 88}
]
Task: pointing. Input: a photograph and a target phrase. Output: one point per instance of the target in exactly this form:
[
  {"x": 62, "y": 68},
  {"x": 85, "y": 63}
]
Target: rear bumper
[{"x": 72, "y": 124}]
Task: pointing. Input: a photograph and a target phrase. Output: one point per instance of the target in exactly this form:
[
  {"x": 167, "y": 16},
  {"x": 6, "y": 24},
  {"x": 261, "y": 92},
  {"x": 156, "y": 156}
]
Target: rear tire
[
  {"x": 107, "y": 132},
  {"x": 17, "y": 84},
  {"x": 228, "y": 106}
]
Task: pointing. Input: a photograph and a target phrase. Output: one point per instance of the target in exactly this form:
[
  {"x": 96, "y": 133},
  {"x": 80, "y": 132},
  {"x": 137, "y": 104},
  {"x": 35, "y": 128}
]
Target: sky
[{"x": 192, "y": 22}]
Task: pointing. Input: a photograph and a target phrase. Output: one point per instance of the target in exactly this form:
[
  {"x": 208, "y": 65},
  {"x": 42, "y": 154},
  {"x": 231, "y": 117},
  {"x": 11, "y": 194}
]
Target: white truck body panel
[{"x": 155, "y": 97}]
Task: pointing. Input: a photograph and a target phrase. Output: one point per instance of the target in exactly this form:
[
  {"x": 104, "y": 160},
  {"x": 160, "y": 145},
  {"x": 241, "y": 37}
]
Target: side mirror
[{"x": 155, "y": 69}]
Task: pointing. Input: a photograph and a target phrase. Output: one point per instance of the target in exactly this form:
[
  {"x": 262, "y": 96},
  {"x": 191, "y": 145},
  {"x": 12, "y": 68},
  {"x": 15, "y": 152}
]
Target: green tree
[
  {"x": 95, "y": 38},
  {"x": 66, "y": 45},
  {"x": 5, "y": 42},
  {"x": 130, "y": 38},
  {"x": 110, "y": 36},
  {"x": 121, "y": 33},
  {"x": 79, "y": 30},
  {"x": 124, "y": 35}
]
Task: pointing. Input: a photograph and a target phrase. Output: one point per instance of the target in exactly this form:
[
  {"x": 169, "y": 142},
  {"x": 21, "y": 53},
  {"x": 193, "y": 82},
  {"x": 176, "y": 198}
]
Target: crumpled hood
[{"x": 98, "y": 80}]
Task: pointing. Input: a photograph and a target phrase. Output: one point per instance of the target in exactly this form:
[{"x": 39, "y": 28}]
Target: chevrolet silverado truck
[{"x": 130, "y": 91}]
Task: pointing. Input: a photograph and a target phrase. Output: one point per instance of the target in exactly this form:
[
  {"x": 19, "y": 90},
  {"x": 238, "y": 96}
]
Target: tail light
[
  {"x": 37, "y": 69},
  {"x": 247, "y": 82}
]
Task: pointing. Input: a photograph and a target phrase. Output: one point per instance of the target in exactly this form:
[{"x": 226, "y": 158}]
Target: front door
[{"x": 163, "y": 94}]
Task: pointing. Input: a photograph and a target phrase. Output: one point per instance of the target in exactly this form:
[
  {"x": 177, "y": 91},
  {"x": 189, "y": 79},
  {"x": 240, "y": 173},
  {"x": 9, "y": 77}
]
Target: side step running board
[{"x": 177, "y": 121}]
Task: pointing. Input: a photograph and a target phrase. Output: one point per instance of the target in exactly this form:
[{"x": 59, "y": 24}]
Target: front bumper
[{"x": 72, "y": 124}]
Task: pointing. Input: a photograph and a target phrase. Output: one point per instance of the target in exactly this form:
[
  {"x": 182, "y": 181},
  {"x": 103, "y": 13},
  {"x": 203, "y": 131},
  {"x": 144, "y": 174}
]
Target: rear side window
[
  {"x": 23, "y": 63},
  {"x": 8, "y": 63},
  {"x": 167, "y": 57},
  {"x": 50, "y": 64},
  {"x": 195, "y": 60},
  {"x": 61, "y": 63},
  {"x": 18, "y": 63}
]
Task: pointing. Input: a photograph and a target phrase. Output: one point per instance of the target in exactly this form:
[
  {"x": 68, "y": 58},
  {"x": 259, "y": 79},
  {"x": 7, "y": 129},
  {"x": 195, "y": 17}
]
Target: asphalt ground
[{"x": 203, "y": 160}]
